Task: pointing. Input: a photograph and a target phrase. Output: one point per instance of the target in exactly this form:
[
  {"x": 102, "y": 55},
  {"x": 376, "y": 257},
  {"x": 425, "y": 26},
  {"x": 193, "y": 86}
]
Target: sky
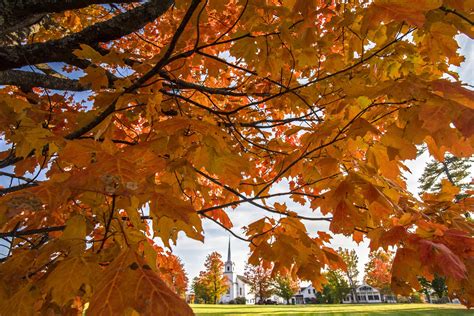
[{"x": 193, "y": 253}]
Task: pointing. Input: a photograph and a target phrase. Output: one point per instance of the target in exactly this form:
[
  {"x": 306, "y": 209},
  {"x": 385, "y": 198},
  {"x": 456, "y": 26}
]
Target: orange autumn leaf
[{"x": 130, "y": 284}]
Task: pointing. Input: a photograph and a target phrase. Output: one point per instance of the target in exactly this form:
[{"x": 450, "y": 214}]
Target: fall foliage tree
[
  {"x": 285, "y": 287},
  {"x": 378, "y": 270},
  {"x": 260, "y": 280},
  {"x": 173, "y": 273},
  {"x": 212, "y": 280},
  {"x": 123, "y": 121}
]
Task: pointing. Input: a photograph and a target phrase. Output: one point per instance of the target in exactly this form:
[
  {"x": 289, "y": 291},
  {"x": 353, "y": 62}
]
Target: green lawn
[{"x": 346, "y": 310}]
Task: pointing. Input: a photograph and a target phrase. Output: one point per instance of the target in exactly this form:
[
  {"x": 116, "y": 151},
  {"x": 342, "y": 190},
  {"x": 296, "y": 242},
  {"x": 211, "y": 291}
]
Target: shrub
[{"x": 240, "y": 300}]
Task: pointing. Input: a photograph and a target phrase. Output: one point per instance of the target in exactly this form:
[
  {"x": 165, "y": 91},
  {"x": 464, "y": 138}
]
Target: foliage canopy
[
  {"x": 211, "y": 283},
  {"x": 123, "y": 121}
]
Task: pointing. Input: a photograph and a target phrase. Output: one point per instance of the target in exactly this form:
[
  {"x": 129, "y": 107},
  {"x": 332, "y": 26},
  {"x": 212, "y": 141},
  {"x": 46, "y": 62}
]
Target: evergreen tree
[
  {"x": 455, "y": 170},
  {"x": 439, "y": 286}
]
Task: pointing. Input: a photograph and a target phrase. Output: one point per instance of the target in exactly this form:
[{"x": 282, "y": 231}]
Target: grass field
[{"x": 346, "y": 310}]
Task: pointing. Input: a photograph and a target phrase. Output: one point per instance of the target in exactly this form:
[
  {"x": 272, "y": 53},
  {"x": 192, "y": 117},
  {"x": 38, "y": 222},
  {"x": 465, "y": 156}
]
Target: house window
[
  {"x": 371, "y": 297},
  {"x": 376, "y": 297},
  {"x": 309, "y": 291},
  {"x": 240, "y": 291},
  {"x": 314, "y": 291}
]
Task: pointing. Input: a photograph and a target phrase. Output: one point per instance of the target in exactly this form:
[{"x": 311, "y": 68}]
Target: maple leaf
[
  {"x": 128, "y": 282},
  {"x": 67, "y": 278},
  {"x": 444, "y": 259}
]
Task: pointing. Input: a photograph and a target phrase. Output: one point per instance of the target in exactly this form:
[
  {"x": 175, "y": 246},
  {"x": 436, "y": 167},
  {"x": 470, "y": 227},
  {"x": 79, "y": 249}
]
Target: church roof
[{"x": 243, "y": 279}]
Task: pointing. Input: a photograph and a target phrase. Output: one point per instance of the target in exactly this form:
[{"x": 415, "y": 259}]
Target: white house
[
  {"x": 305, "y": 295},
  {"x": 365, "y": 294},
  {"x": 238, "y": 285}
]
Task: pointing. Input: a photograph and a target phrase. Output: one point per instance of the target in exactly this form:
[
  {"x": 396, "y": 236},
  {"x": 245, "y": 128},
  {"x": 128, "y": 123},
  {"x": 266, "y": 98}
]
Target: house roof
[
  {"x": 306, "y": 287},
  {"x": 366, "y": 285}
]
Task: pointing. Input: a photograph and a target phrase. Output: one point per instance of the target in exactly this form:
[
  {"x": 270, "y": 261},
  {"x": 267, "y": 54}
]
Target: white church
[{"x": 238, "y": 286}]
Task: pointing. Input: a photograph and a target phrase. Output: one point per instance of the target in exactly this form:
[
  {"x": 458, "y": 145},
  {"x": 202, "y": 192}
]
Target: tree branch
[
  {"x": 61, "y": 49},
  {"x": 159, "y": 65},
  {"x": 50, "y": 229},
  {"x": 448, "y": 10},
  {"x": 24, "y": 8},
  {"x": 19, "y": 187},
  {"x": 28, "y": 79}
]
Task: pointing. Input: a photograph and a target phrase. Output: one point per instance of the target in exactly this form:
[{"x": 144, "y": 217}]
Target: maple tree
[
  {"x": 378, "y": 270},
  {"x": 172, "y": 272},
  {"x": 123, "y": 121},
  {"x": 259, "y": 278},
  {"x": 211, "y": 283}
]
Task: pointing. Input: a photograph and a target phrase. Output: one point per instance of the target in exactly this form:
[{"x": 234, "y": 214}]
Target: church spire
[
  {"x": 228, "y": 252},
  {"x": 229, "y": 265}
]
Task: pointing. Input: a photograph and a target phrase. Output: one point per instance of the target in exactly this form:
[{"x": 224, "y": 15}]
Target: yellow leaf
[
  {"x": 95, "y": 77},
  {"x": 68, "y": 277},
  {"x": 87, "y": 52}
]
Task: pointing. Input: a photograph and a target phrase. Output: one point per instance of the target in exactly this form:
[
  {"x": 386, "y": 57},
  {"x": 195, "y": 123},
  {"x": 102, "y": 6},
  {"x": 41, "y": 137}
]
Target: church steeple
[
  {"x": 229, "y": 265},
  {"x": 228, "y": 253}
]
